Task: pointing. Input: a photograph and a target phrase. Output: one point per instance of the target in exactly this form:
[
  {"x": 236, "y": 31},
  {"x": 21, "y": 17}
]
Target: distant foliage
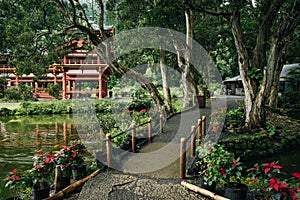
[
  {"x": 22, "y": 92},
  {"x": 54, "y": 90},
  {"x": 290, "y": 99}
]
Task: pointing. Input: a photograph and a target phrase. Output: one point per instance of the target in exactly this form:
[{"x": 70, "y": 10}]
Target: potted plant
[
  {"x": 70, "y": 158},
  {"x": 268, "y": 182},
  {"x": 15, "y": 182},
  {"x": 223, "y": 168},
  {"x": 39, "y": 176}
]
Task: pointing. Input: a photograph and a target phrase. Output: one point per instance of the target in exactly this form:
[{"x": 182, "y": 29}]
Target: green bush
[
  {"x": 290, "y": 99},
  {"x": 22, "y": 92},
  {"x": 54, "y": 90}
]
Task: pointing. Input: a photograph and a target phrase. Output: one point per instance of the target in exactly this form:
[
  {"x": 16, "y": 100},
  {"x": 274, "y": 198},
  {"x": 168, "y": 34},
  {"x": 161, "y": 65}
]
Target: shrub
[{"x": 54, "y": 90}]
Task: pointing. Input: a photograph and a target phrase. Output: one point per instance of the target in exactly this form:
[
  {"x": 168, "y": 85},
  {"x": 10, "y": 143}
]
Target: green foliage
[
  {"x": 138, "y": 105},
  {"x": 22, "y": 92},
  {"x": 289, "y": 99},
  {"x": 2, "y": 86},
  {"x": 255, "y": 73},
  {"x": 54, "y": 90}
]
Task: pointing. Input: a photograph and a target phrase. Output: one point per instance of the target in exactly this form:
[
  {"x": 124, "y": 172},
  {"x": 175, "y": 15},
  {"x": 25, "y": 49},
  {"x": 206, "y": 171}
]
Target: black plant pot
[
  {"x": 39, "y": 194},
  {"x": 204, "y": 184},
  {"x": 79, "y": 172},
  {"x": 236, "y": 191},
  {"x": 15, "y": 198}
]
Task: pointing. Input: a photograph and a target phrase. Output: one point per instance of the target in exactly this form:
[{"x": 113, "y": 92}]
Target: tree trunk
[
  {"x": 165, "y": 84},
  {"x": 187, "y": 90}
]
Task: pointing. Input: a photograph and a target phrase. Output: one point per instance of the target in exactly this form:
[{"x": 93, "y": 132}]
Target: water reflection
[{"x": 22, "y": 136}]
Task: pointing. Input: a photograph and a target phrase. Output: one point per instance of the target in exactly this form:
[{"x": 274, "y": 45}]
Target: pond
[{"x": 21, "y": 137}]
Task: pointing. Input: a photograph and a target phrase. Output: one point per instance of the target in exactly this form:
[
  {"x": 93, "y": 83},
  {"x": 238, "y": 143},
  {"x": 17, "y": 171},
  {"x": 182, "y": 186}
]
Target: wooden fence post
[
  {"x": 161, "y": 123},
  {"x": 133, "y": 137},
  {"x": 108, "y": 150},
  {"x": 203, "y": 125},
  {"x": 193, "y": 141},
  {"x": 182, "y": 158},
  {"x": 149, "y": 130},
  {"x": 199, "y": 131}
]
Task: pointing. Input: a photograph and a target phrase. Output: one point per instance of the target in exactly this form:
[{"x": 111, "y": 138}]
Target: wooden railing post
[
  {"x": 149, "y": 130},
  {"x": 203, "y": 125},
  {"x": 133, "y": 137},
  {"x": 182, "y": 158},
  {"x": 193, "y": 141},
  {"x": 161, "y": 123},
  {"x": 108, "y": 150},
  {"x": 199, "y": 131}
]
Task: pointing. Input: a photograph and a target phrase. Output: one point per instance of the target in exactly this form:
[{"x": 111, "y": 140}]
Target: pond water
[{"x": 21, "y": 137}]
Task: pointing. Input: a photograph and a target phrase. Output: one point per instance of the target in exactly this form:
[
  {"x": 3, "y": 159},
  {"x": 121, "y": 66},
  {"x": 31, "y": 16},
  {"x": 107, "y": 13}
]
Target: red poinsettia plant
[
  {"x": 221, "y": 166},
  {"x": 14, "y": 181},
  {"x": 269, "y": 182},
  {"x": 70, "y": 156},
  {"x": 43, "y": 166}
]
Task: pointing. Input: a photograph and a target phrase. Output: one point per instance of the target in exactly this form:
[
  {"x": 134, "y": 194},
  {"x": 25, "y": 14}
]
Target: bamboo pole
[
  {"x": 71, "y": 188},
  {"x": 182, "y": 158},
  {"x": 202, "y": 191},
  {"x": 108, "y": 150}
]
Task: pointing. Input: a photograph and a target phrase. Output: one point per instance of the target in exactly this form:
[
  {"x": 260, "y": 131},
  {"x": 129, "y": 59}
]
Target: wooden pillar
[
  {"x": 149, "y": 130},
  {"x": 161, "y": 118},
  {"x": 54, "y": 78},
  {"x": 193, "y": 141},
  {"x": 203, "y": 125},
  {"x": 133, "y": 139},
  {"x": 100, "y": 83},
  {"x": 36, "y": 86},
  {"x": 64, "y": 85},
  {"x": 182, "y": 158},
  {"x": 17, "y": 80},
  {"x": 199, "y": 131},
  {"x": 108, "y": 150}
]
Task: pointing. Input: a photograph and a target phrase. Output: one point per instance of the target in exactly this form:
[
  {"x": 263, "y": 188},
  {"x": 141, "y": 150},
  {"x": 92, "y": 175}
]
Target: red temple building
[{"x": 77, "y": 69}]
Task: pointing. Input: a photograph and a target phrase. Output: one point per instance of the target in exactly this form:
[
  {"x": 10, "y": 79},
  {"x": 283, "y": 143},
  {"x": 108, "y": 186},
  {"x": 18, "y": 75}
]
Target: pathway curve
[{"x": 134, "y": 183}]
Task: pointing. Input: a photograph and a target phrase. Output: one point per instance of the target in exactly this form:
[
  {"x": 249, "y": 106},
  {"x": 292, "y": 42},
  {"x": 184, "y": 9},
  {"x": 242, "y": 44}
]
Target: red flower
[
  {"x": 143, "y": 111},
  {"x": 37, "y": 167},
  {"x": 253, "y": 180},
  {"x": 269, "y": 166},
  {"x": 234, "y": 163},
  {"x": 14, "y": 171},
  {"x": 276, "y": 184},
  {"x": 222, "y": 172},
  {"x": 50, "y": 158},
  {"x": 296, "y": 174}
]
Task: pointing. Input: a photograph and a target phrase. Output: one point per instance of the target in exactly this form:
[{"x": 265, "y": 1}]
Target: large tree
[{"x": 261, "y": 61}]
